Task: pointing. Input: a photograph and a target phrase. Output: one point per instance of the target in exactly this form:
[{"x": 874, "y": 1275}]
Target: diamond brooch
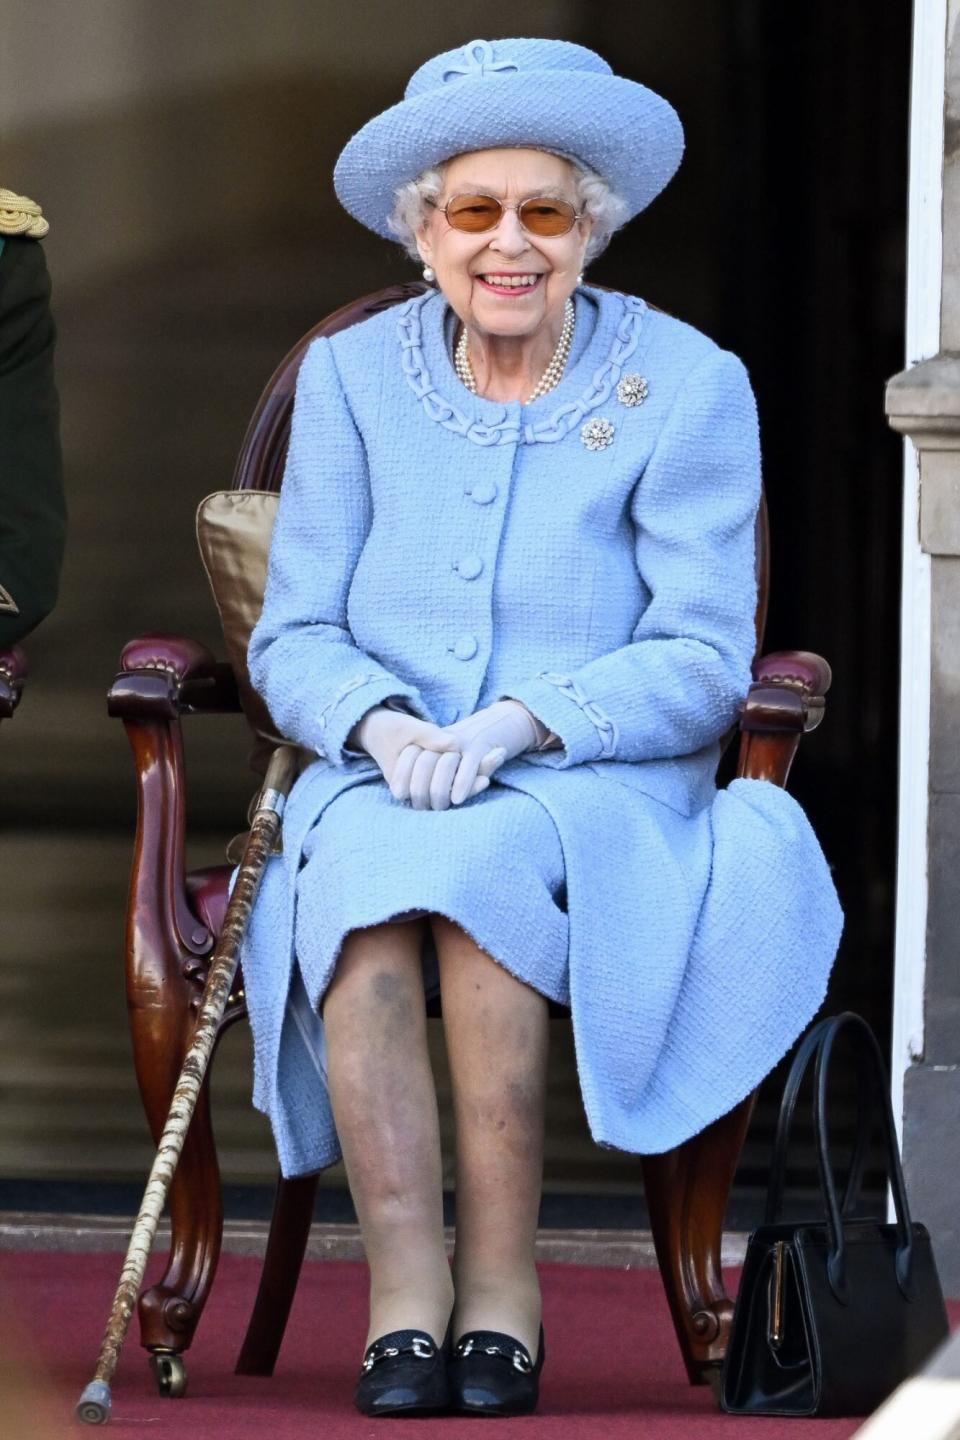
[
  {"x": 597, "y": 434},
  {"x": 632, "y": 390}
]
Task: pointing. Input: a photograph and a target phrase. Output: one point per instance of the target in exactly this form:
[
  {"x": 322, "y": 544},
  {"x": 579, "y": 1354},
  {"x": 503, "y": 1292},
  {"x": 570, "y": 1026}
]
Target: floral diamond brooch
[
  {"x": 597, "y": 433},
  {"x": 632, "y": 390}
]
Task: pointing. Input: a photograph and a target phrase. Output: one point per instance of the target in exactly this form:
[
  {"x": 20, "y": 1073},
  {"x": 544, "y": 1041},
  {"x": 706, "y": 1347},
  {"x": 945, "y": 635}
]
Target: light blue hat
[{"x": 550, "y": 94}]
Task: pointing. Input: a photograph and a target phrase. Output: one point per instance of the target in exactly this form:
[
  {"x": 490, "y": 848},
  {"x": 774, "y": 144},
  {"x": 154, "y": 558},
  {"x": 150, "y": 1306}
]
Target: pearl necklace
[{"x": 550, "y": 377}]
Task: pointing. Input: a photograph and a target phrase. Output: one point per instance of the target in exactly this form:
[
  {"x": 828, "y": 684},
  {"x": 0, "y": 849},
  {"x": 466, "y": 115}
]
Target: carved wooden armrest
[
  {"x": 161, "y": 678},
  {"x": 13, "y": 670},
  {"x": 785, "y": 700},
  {"x": 164, "y": 676},
  {"x": 787, "y": 693}
]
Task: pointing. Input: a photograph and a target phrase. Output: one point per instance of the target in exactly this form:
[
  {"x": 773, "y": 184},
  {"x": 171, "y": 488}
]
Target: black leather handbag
[{"x": 832, "y": 1314}]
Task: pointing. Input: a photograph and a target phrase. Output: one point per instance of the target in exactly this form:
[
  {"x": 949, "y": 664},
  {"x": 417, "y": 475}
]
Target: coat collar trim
[{"x": 420, "y": 328}]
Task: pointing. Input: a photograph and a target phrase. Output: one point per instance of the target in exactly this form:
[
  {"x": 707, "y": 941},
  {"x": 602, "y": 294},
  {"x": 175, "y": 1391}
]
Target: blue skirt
[
  {"x": 371, "y": 858},
  {"x": 691, "y": 948}
]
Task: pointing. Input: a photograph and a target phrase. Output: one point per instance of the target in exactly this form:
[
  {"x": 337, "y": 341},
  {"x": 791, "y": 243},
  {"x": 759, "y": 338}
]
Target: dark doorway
[{"x": 783, "y": 237}]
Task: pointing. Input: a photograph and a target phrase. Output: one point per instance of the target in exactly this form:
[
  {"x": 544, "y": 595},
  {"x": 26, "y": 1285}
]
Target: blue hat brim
[{"x": 628, "y": 134}]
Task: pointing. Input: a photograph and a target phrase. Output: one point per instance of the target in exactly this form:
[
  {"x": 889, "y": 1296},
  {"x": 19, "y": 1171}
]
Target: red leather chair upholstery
[{"x": 13, "y": 672}]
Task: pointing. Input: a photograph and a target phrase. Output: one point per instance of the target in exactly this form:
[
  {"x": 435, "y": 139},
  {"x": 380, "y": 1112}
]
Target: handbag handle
[
  {"x": 870, "y": 1060},
  {"x": 788, "y": 1105}
]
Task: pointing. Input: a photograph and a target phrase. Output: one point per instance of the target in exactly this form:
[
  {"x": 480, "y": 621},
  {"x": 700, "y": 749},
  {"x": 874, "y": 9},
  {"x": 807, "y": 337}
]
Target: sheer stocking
[
  {"x": 385, "y": 1108},
  {"x": 497, "y": 1034}
]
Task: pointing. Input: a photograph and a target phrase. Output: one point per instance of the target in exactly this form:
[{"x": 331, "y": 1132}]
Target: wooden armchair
[
  {"x": 13, "y": 672},
  {"x": 174, "y": 916}
]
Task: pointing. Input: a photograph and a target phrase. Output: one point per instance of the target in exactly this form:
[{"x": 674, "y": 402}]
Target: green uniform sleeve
[{"x": 32, "y": 509}]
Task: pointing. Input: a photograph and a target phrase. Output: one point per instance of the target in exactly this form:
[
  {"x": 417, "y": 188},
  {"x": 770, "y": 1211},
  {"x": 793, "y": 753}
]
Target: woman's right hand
[{"x": 386, "y": 734}]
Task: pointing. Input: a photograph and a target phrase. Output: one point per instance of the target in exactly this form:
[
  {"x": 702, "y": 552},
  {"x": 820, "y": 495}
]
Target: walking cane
[{"x": 93, "y": 1407}]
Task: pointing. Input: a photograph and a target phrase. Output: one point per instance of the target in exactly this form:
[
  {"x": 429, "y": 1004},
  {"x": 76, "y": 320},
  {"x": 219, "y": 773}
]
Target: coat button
[
  {"x": 465, "y": 647},
  {"x": 468, "y": 566},
  {"x": 482, "y": 491}
]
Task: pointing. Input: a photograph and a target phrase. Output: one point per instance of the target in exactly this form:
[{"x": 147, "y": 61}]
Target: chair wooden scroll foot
[{"x": 687, "y": 1192}]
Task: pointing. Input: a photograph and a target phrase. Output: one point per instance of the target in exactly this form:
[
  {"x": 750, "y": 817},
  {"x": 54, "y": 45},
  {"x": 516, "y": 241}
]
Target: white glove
[
  {"x": 425, "y": 778},
  {"x": 386, "y": 734},
  {"x": 487, "y": 739}
]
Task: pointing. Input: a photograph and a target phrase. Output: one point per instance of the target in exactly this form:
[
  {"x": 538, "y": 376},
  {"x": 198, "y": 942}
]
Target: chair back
[{"x": 263, "y": 453}]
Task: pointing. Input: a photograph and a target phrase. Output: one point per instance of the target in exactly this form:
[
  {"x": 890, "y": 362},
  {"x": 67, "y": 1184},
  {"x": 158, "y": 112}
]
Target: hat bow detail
[{"x": 478, "y": 62}]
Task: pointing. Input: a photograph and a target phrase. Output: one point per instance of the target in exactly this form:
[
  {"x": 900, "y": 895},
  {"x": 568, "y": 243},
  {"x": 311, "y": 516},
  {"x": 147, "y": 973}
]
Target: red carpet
[{"x": 612, "y": 1369}]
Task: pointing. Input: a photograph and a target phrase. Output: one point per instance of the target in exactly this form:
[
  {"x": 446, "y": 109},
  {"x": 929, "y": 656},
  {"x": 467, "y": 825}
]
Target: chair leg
[
  {"x": 687, "y": 1192},
  {"x": 286, "y": 1247},
  {"x": 166, "y": 955}
]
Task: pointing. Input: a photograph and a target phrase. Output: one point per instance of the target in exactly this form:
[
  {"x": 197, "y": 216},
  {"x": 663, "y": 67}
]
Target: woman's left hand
[{"x": 486, "y": 739}]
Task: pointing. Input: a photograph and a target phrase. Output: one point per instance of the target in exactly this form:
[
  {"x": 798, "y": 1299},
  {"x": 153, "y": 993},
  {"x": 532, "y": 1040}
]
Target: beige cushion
[{"x": 233, "y": 531}]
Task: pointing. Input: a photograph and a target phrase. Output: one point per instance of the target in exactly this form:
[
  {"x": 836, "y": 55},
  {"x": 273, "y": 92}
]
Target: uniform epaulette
[{"x": 20, "y": 216}]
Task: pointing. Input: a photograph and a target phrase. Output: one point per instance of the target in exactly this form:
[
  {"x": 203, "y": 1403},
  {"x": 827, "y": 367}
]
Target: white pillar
[
  {"x": 924, "y": 284},
  {"x": 923, "y": 403}
]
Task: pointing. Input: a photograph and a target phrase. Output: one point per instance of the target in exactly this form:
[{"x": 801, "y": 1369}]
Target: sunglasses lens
[
  {"x": 547, "y": 217},
  {"x": 541, "y": 216},
  {"x": 473, "y": 212}
]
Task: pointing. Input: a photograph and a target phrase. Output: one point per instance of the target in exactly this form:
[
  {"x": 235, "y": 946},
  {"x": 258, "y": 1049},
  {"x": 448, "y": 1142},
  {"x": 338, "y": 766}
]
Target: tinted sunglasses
[{"x": 541, "y": 215}]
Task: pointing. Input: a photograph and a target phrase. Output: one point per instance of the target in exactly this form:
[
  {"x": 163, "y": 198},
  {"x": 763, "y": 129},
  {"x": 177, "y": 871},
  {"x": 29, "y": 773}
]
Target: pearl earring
[
  {"x": 580, "y": 278},
  {"x": 429, "y": 274}
]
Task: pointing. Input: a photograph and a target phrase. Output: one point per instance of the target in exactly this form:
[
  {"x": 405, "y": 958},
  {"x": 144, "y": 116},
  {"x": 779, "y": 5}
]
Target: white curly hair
[{"x": 594, "y": 198}]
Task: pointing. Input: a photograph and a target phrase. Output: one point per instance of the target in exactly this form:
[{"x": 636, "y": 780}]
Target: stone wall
[{"x": 923, "y": 402}]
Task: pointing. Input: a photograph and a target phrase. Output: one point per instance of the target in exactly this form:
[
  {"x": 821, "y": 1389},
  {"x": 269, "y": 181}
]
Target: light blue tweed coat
[{"x": 444, "y": 548}]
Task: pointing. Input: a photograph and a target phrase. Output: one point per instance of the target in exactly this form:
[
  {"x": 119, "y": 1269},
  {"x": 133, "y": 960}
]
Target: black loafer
[
  {"x": 492, "y": 1374},
  {"x": 404, "y": 1373}
]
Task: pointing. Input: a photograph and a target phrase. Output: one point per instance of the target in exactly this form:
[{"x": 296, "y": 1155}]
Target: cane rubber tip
[{"x": 93, "y": 1407}]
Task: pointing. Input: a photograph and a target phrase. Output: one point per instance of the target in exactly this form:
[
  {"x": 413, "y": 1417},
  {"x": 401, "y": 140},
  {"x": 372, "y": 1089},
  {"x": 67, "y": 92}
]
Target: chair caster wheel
[{"x": 170, "y": 1373}]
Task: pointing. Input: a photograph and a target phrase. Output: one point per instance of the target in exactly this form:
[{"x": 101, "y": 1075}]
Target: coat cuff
[
  {"x": 559, "y": 702},
  {"x": 391, "y": 703},
  {"x": 351, "y": 702}
]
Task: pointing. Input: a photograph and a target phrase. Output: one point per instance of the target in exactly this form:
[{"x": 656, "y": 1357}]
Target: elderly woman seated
[{"x": 511, "y": 608}]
